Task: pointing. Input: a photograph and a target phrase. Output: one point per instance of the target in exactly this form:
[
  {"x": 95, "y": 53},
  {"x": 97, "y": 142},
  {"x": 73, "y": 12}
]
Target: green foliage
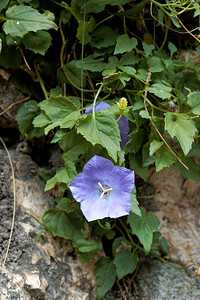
[
  {"x": 38, "y": 41},
  {"x": 100, "y": 42},
  {"x": 105, "y": 276},
  {"x": 22, "y": 19},
  {"x": 144, "y": 227},
  {"x": 183, "y": 129},
  {"x": 125, "y": 44},
  {"x": 27, "y": 112},
  {"x": 63, "y": 175},
  {"x": 125, "y": 262},
  {"x": 101, "y": 129}
]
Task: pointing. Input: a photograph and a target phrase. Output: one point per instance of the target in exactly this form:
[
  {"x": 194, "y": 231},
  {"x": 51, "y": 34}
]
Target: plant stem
[
  {"x": 95, "y": 99},
  {"x": 41, "y": 81}
]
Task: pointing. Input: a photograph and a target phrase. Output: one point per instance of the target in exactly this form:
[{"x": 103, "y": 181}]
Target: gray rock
[
  {"x": 9, "y": 94},
  {"x": 47, "y": 269}
]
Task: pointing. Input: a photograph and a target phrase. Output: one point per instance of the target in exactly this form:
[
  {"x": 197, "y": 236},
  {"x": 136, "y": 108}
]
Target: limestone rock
[
  {"x": 8, "y": 95},
  {"x": 47, "y": 269},
  {"x": 177, "y": 206}
]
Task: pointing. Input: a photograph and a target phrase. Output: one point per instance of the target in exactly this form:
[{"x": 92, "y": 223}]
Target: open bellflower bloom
[
  {"x": 103, "y": 190},
  {"x": 123, "y": 122}
]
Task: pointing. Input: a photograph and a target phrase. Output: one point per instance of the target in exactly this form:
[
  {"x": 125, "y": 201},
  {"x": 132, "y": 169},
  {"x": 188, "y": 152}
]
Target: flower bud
[{"x": 122, "y": 103}]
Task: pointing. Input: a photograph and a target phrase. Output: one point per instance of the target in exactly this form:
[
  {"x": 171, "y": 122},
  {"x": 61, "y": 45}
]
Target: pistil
[{"x": 104, "y": 191}]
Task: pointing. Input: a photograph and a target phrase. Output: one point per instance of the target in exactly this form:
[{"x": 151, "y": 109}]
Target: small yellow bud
[{"x": 122, "y": 103}]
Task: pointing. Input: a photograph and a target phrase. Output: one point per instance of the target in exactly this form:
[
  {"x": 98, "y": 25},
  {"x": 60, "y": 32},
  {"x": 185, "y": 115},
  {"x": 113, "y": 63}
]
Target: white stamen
[{"x": 104, "y": 191}]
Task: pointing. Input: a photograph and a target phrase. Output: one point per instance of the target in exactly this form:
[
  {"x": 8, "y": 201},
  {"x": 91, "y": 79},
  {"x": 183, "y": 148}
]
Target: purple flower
[
  {"x": 123, "y": 122},
  {"x": 104, "y": 190}
]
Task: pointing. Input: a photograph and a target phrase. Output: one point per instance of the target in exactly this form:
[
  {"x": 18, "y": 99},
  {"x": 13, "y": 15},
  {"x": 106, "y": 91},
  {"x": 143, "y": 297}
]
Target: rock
[
  {"x": 177, "y": 206},
  {"x": 9, "y": 94},
  {"x": 47, "y": 269},
  {"x": 156, "y": 280}
]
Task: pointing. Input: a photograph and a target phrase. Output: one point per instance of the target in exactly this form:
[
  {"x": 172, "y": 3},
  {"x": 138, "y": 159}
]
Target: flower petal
[
  {"x": 124, "y": 179},
  {"x": 116, "y": 184},
  {"x": 99, "y": 106},
  {"x": 124, "y": 130},
  {"x": 84, "y": 187},
  {"x": 98, "y": 167}
]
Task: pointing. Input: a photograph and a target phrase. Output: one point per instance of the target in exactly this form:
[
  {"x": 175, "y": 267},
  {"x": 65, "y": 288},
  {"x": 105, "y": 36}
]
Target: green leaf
[
  {"x": 120, "y": 243},
  {"x": 183, "y": 130},
  {"x": 160, "y": 90},
  {"x": 172, "y": 48},
  {"x": 136, "y": 141},
  {"x": 154, "y": 146},
  {"x": 103, "y": 36},
  {"x": 68, "y": 122},
  {"x": 25, "y": 115},
  {"x": 73, "y": 145},
  {"x": 38, "y": 41},
  {"x": 125, "y": 262},
  {"x": 147, "y": 160},
  {"x": 41, "y": 120},
  {"x": 197, "y": 9},
  {"x": 134, "y": 203},
  {"x": 124, "y": 78},
  {"x": 91, "y": 64},
  {"x": 73, "y": 73},
  {"x": 22, "y": 19},
  {"x": 10, "y": 57},
  {"x": 3, "y": 4},
  {"x": 84, "y": 29},
  {"x": 137, "y": 166},
  {"x": 88, "y": 246},
  {"x": 147, "y": 49},
  {"x": 62, "y": 224},
  {"x": 129, "y": 70},
  {"x": 128, "y": 59},
  {"x": 164, "y": 158},
  {"x": 57, "y": 108},
  {"x": 65, "y": 204},
  {"x": 164, "y": 245},
  {"x": 105, "y": 276},
  {"x": 101, "y": 129},
  {"x": 194, "y": 169},
  {"x": 64, "y": 175},
  {"x": 144, "y": 114},
  {"x": 143, "y": 227},
  {"x": 156, "y": 64},
  {"x": 125, "y": 44},
  {"x": 155, "y": 247},
  {"x": 40, "y": 234},
  {"x": 194, "y": 102}
]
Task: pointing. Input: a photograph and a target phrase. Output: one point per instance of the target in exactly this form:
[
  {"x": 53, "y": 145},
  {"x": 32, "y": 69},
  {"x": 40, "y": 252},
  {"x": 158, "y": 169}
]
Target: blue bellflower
[
  {"x": 103, "y": 190},
  {"x": 123, "y": 122}
]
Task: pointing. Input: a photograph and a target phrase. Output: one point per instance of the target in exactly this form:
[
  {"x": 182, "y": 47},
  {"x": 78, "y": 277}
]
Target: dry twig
[
  {"x": 1, "y": 113},
  {"x": 14, "y": 202}
]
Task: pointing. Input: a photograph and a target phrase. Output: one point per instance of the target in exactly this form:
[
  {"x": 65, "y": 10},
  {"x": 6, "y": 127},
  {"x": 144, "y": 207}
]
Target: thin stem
[
  {"x": 119, "y": 117},
  {"x": 101, "y": 225},
  {"x": 171, "y": 265},
  {"x": 165, "y": 38},
  {"x": 174, "y": 114},
  {"x": 82, "y": 54},
  {"x": 129, "y": 236},
  {"x": 14, "y": 201},
  {"x": 41, "y": 81},
  {"x": 95, "y": 100}
]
